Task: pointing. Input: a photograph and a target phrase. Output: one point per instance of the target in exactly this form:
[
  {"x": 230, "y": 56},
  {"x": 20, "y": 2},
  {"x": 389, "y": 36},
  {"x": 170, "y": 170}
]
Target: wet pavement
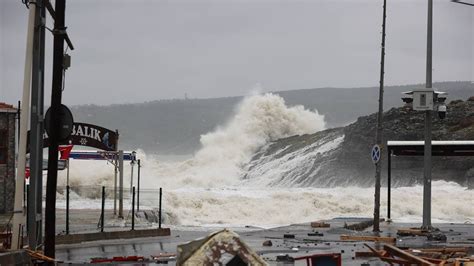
[{"x": 301, "y": 240}]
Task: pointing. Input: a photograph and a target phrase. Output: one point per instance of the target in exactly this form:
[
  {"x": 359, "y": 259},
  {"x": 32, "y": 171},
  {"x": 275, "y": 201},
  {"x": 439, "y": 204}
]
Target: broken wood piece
[
  {"x": 384, "y": 239},
  {"x": 320, "y": 224},
  {"x": 377, "y": 253},
  {"x": 396, "y": 252},
  {"x": 442, "y": 250},
  {"x": 396, "y": 261},
  {"x": 369, "y": 254},
  {"x": 412, "y": 232}
]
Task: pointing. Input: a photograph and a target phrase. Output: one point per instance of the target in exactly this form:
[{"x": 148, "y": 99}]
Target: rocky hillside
[
  {"x": 175, "y": 126},
  {"x": 340, "y": 156}
]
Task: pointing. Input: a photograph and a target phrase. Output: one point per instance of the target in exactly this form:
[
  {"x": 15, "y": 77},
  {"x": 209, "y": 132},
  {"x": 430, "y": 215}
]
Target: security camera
[
  {"x": 441, "y": 98},
  {"x": 407, "y": 99},
  {"x": 442, "y": 111}
]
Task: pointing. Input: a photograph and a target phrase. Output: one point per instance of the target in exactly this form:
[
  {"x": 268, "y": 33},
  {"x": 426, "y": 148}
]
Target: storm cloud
[{"x": 135, "y": 51}]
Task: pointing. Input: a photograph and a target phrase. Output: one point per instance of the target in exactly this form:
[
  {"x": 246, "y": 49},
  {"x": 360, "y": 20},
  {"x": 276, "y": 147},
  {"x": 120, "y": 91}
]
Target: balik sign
[{"x": 92, "y": 136}]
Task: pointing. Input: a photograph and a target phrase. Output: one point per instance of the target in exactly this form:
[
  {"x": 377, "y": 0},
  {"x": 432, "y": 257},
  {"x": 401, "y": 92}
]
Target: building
[{"x": 8, "y": 115}]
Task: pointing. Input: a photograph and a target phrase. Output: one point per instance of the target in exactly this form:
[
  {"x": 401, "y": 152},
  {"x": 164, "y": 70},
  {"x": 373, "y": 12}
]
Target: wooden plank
[
  {"x": 412, "y": 232},
  {"x": 369, "y": 254},
  {"x": 320, "y": 224},
  {"x": 384, "y": 239},
  {"x": 394, "y": 251},
  {"x": 395, "y": 261},
  {"x": 442, "y": 250}
]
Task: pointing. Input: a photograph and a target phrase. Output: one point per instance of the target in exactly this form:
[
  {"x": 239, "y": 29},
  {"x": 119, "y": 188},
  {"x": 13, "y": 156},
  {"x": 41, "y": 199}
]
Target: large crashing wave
[
  {"x": 208, "y": 189},
  {"x": 258, "y": 119}
]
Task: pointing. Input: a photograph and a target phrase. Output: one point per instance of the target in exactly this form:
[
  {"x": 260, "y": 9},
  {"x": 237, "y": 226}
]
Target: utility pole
[
  {"x": 56, "y": 93},
  {"x": 120, "y": 212},
  {"x": 427, "y": 150},
  {"x": 35, "y": 207},
  {"x": 378, "y": 135},
  {"x": 18, "y": 208}
]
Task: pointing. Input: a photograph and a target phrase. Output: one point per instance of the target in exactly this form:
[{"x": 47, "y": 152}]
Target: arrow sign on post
[{"x": 375, "y": 153}]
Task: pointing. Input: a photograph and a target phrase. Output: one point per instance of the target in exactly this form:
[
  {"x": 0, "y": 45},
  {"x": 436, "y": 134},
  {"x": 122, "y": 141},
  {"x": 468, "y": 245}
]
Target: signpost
[{"x": 375, "y": 153}]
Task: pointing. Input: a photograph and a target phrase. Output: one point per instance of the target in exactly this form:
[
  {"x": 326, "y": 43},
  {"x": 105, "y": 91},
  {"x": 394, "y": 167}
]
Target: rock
[
  {"x": 437, "y": 236},
  {"x": 340, "y": 156},
  {"x": 267, "y": 243},
  {"x": 288, "y": 236},
  {"x": 471, "y": 99},
  {"x": 285, "y": 258}
]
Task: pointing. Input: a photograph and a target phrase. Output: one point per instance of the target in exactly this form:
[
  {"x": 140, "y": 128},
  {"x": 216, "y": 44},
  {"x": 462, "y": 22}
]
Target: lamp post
[{"x": 427, "y": 100}]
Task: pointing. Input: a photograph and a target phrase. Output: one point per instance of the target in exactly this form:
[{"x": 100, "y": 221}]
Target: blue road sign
[{"x": 375, "y": 153}]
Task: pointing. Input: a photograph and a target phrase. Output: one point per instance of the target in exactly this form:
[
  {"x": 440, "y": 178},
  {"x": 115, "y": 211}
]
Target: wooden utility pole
[
  {"x": 56, "y": 93},
  {"x": 378, "y": 135}
]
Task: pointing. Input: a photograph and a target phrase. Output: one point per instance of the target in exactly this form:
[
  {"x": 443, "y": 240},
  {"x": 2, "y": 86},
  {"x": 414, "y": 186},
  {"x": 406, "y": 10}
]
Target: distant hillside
[{"x": 174, "y": 126}]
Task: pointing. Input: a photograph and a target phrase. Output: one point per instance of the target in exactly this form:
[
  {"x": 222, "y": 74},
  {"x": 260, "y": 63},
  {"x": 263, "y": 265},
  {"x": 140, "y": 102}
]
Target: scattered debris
[
  {"x": 36, "y": 255},
  {"x": 434, "y": 256},
  {"x": 285, "y": 258},
  {"x": 384, "y": 239},
  {"x": 164, "y": 257},
  {"x": 267, "y": 243},
  {"x": 369, "y": 254},
  {"x": 222, "y": 247},
  {"x": 412, "y": 232},
  {"x": 315, "y": 234},
  {"x": 437, "y": 236},
  {"x": 359, "y": 226},
  {"x": 118, "y": 259},
  {"x": 322, "y": 259},
  {"x": 320, "y": 224}
]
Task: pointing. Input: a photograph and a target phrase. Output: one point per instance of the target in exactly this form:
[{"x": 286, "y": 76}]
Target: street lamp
[{"x": 427, "y": 100}]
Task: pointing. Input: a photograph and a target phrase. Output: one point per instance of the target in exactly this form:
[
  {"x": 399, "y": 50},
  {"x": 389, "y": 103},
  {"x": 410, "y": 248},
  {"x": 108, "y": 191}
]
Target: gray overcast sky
[{"x": 136, "y": 50}]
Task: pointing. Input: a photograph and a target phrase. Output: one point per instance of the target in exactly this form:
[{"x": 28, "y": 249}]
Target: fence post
[
  {"x": 138, "y": 190},
  {"x": 159, "y": 214},
  {"x": 133, "y": 208},
  {"x": 67, "y": 210},
  {"x": 102, "y": 215}
]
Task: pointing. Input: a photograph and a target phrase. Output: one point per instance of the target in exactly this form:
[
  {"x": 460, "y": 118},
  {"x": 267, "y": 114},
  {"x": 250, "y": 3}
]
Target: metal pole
[
  {"x": 67, "y": 209},
  {"x": 36, "y": 136},
  {"x": 378, "y": 136},
  {"x": 67, "y": 198},
  {"x": 115, "y": 184},
  {"x": 56, "y": 94},
  {"x": 389, "y": 183},
  {"x": 131, "y": 175},
  {"x": 18, "y": 211},
  {"x": 159, "y": 206},
  {"x": 120, "y": 214},
  {"x": 427, "y": 150},
  {"x": 133, "y": 208},
  {"x": 40, "y": 128},
  {"x": 138, "y": 180},
  {"x": 102, "y": 212}
]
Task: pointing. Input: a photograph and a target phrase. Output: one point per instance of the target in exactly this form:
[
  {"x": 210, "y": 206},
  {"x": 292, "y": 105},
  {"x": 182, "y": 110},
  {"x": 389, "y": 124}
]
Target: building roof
[
  {"x": 434, "y": 142},
  {"x": 439, "y": 148},
  {"x": 7, "y": 108}
]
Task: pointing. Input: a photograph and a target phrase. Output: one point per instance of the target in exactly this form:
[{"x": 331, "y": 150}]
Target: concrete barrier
[
  {"x": 17, "y": 257},
  {"x": 87, "y": 237}
]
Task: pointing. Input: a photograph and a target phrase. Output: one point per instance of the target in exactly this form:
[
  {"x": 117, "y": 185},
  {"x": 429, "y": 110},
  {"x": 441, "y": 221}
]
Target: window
[{"x": 3, "y": 146}]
